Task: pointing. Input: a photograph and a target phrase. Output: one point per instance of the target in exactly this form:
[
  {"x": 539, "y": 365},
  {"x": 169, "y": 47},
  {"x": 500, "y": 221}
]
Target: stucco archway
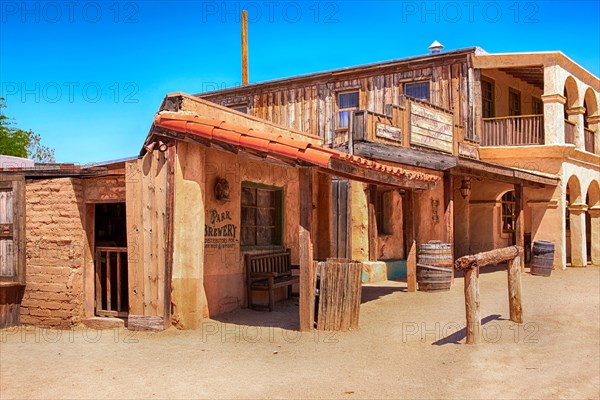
[{"x": 575, "y": 236}]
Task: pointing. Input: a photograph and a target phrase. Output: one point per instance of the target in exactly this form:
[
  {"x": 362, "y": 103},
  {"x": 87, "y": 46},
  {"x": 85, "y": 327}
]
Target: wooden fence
[
  {"x": 470, "y": 266},
  {"x": 111, "y": 281},
  {"x": 338, "y": 284}
]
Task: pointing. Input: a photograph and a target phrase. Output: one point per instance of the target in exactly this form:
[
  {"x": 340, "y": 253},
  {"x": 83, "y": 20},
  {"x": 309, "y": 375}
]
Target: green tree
[{"x": 19, "y": 143}]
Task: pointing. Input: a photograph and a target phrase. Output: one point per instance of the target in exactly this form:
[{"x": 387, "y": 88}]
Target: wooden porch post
[
  {"x": 449, "y": 213},
  {"x": 519, "y": 221},
  {"x": 307, "y": 291},
  {"x": 373, "y": 245},
  {"x": 410, "y": 246}
]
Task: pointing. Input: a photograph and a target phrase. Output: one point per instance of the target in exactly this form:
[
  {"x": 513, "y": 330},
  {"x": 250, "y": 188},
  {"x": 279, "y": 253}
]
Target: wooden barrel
[
  {"x": 10, "y": 303},
  {"x": 543, "y": 258},
  {"x": 434, "y": 266}
]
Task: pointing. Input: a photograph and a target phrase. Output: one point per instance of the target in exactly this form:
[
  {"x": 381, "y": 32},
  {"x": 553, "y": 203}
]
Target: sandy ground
[{"x": 408, "y": 346}]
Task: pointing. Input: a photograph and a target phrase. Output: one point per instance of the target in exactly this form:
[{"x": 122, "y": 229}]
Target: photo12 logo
[
  {"x": 470, "y": 11},
  {"x": 326, "y": 12},
  {"x": 71, "y": 92},
  {"x": 53, "y": 12}
]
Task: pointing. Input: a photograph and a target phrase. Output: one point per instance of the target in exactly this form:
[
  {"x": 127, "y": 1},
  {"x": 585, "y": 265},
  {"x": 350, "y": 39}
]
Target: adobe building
[
  {"x": 159, "y": 240},
  {"x": 367, "y": 163}
]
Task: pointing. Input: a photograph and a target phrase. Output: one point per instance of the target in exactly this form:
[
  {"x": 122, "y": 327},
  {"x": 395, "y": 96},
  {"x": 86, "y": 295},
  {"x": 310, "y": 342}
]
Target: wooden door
[
  {"x": 12, "y": 230},
  {"x": 147, "y": 227},
  {"x": 12, "y": 249}
]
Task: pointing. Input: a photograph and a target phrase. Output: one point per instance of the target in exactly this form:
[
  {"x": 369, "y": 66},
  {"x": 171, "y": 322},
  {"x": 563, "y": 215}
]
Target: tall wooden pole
[
  {"x": 472, "y": 306},
  {"x": 244, "y": 47},
  {"x": 307, "y": 288}
]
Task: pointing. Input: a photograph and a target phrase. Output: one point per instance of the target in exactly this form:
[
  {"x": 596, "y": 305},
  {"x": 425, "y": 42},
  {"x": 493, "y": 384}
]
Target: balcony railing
[
  {"x": 590, "y": 139},
  {"x": 513, "y": 131},
  {"x": 570, "y": 128},
  {"x": 411, "y": 124}
]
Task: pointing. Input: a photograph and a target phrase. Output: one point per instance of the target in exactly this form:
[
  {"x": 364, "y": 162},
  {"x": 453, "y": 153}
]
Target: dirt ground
[{"x": 408, "y": 346}]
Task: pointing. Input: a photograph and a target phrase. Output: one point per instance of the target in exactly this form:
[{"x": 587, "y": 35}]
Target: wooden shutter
[
  {"x": 12, "y": 229},
  {"x": 341, "y": 208},
  {"x": 146, "y": 209}
]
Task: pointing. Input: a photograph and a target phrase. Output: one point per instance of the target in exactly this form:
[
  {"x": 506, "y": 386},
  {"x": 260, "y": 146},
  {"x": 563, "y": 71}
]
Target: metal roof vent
[{"x": 435, "y": 47}]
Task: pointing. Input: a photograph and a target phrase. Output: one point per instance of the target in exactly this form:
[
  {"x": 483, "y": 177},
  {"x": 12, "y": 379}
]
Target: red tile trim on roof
[{"x": 275, "y": 145}]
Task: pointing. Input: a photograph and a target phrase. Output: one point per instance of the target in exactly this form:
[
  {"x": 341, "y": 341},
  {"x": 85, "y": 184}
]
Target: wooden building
[
  {"x": 517, "y": 132},
  {"x": 366, "y": 163}
]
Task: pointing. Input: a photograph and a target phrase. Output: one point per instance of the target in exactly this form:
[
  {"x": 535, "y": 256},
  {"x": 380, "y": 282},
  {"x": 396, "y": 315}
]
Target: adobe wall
[{"x": 55, "y": 235}]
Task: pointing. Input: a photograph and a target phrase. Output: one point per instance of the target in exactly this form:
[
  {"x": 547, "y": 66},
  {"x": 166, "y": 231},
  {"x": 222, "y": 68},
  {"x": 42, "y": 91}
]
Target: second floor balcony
[{"x": 523, "y": 130}]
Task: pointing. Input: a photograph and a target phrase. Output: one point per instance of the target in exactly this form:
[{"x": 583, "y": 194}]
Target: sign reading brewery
[
  {"x": 219, "y": 232},
  {"x": 388, "y": 132}
]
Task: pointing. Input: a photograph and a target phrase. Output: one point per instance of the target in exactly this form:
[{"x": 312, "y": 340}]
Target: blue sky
[{"x": 89, "y": 75}]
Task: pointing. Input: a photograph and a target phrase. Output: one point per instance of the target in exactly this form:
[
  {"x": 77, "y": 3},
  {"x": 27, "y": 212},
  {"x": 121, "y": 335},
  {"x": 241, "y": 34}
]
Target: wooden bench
[{"x": 266, "y": 272}]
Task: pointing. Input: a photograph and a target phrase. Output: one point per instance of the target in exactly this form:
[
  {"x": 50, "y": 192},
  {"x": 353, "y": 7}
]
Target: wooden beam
[
  {"x": 343, "y": 168},
  {"x": 519, "y": 221},
  {"x": 307, "y": 290},
  {"x": 373, "y": 234},
  {"x": 473, "y": 313},
  {"x": 449, "y": 213},
  {"x": 401, "y": 155},
  {"x": 491, "y": 257},
  {"x": 514, "y": 290},
  {"x": 410, "y": 245}
]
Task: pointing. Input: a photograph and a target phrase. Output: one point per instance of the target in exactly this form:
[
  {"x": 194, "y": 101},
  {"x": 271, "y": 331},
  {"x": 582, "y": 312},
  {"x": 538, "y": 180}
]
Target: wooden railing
[
  {"x": 470, "y": 265},
  {"x": 513, "y": 131},
  {"x": 570, "y": 131},
  {"x": 111, "y": 281},
  {"x": 590, "y": 139}
]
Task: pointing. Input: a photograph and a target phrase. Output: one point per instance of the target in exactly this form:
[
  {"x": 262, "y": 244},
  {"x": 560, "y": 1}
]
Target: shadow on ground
[{"x": 457, "y": 336}]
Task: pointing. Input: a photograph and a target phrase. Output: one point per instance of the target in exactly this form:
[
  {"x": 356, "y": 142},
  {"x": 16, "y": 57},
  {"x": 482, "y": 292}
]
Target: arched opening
[
  {"x": 590, "y": 104},
  {"x": 571, "y": 94},
  {"x": 574, "y": 240},
  {"x": 593, "y": 222}
]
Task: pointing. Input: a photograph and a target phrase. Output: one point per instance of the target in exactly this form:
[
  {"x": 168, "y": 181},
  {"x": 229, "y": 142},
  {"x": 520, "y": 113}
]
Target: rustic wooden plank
[
  {"x": 19, "y": 228},
  {"x": 307, "y": 295},
  {"x": 135, "y": 237},
  {"x": 449, "y": 213},
  {"x": 380, "y": 151}
]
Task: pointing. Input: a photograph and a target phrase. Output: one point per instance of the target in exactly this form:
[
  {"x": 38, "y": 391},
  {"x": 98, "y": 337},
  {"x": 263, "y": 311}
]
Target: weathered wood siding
[
  {"x": 146, "y": 240},
  {"x": 310, "y": 105}
]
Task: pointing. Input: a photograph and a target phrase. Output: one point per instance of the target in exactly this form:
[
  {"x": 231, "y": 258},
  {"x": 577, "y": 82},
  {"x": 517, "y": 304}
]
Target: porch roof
[
  {"x": 467, "y": 166},
  {"x": 234, "y": 138}
]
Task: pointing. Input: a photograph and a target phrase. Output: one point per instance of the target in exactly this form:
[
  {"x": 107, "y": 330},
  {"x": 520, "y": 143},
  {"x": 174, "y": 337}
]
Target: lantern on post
[{"x": 465, "y": 187}]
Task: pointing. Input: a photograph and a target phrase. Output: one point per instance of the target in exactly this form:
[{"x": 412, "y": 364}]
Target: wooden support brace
[
  {"x": 472, "y": 308},
  {"x": 307, "y": 290},
  {"x": 514, "y": 290}
]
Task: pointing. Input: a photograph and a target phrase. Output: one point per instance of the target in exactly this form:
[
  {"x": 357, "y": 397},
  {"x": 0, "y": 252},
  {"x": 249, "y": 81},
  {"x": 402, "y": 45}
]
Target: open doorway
[{"x": 110, "y": 260}]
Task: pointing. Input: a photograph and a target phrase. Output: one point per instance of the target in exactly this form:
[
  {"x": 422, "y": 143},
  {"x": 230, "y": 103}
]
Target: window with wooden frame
[
  {"x": 417, "y": 90},
  {"x": 537, "y": 107},
  {"x": 514, "y": 102},
  {"x": 261, "y": 215},
  {"x": 488, "y": 102},
  {"x": 346, "y": 103},
  {"x": 508, "y": 212},
  {"x": 243, "y": 108},
  {"x": 383, "y": 212}
]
